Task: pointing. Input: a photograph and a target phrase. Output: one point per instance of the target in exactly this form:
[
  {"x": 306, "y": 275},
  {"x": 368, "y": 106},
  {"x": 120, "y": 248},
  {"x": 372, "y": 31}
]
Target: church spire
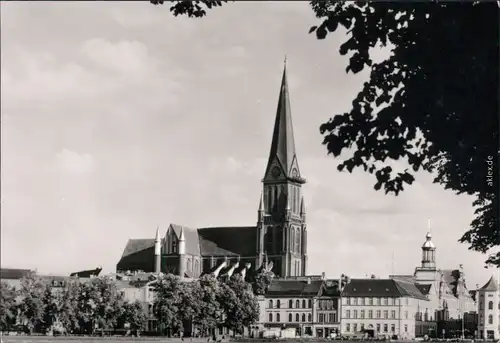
[{"x": 283, "y": 143}]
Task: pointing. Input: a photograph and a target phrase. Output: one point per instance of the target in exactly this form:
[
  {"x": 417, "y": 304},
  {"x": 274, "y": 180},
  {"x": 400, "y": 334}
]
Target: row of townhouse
[{"x": 319, "y": 307}]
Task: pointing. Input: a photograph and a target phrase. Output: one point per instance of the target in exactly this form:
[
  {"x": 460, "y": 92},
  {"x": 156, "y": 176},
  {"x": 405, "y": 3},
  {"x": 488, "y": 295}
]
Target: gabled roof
[
  {"x": 490, "y": 286},
  {"x": 87, "y": 273},
  {"x": 424, "y": 289},
  {"x": 228, "y": 241},
  {"x": 135, "y": 245},
  {"x": 283, "y": 287},
  {"x": 381, "y": 288},
  {"x": 14, "y": 274},
  {"x": 190, "y": 236}
]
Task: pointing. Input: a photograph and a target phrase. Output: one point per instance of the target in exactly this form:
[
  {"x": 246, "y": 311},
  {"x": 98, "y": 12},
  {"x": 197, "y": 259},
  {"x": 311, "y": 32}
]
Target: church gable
[{"x": 275, "y": 171}]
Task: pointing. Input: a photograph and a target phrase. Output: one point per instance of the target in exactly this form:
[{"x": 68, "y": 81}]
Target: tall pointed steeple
[
  {"x": 283, "y": 142},
  {"x": 282, "y": 235}
]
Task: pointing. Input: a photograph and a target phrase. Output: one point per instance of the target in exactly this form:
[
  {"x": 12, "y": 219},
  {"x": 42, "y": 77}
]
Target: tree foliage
[
  {"x": 239, "y": 305},
  {"x": 134, "y": 314},
  {"x": 168, "y": 302},
  {"x": 31, "y": 307},
  {"x": 8, "y": 308},
  {"x": 433, "y": 102},
  {"x": 193, "y": 9}
]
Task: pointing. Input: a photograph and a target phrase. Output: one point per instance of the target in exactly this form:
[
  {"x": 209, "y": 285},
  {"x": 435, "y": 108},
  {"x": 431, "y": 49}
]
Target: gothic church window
[
  {"x": 297, "y": 241},
  {"x": 270, "y": 304},
  {"x": 290, "y": 303},
  {"x": 290, "y": 318},
  {"x": 278, "y": 317},
  {"x": 490, "y": 305},
  {"x": 270, "y": 317},
  {"x": 278, "y": 304},
  {"x": 303, "y": 317},
  {"x": 297, "y": 318},
  {"x": 269, "y": 199},
  {"x": 293, "y": 239},
  {"x": 309, "y": 317},
  {"x": 297, "y": 304},
  {"x": 303, "y": 304},
  {"x": 276, "y": 198}
]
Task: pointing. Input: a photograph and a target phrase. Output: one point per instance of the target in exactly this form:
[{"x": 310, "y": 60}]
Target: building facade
[
  {"x": 382, "y": 307},
  {"x": 489, "y": 310},
  {"x": 280, "y": 234},
  {"x": 301, "y": 306}
]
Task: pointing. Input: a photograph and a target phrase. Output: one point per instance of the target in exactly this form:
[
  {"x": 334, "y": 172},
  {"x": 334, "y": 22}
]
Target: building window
[
  {"x": 331, "y": 318},
  {"x": 391, "y": 301},
  {"x": 361, "y": 301},
  {"x": 377, "y": 301},
  {"x": 406, "y": 314},
  {"x": 354, "y": 327},
  {"x": 348, "y": 314},
  {"x": 278, "y": 304},
  {"x": 290, "y": 303},
  {"x": 385, "y": 327},
  {"x": 278, "y": 317},
  {"x": 347, "y": 327},
  {"x": 393, "y": 328},
  {"x": 270, "y": 304},
  {"x": 355, "y": 314},
  {"x": 309, "y": 303},
  {"x": 370, "y": 314},
  {"x": 303, "y": 317},
  {"x": 303, "y": 304},
  {"x": 270, "y": 317},
  {"x": 362, "y": 314},
  {"x": 297, "y": 304},
  {"x": 386, "y": 314},
  {"x": 490, "y": 305},
  {"x": 378, "y": 313},
  {"x": 490, "y": 319},
  {"x": 290, "y": 317},
  {"x": 297, "y": 317},
  {"x": 393, "y": 314},
  {"x": 406, "y": 327},
  {"x": 348, "y": 301},
  {"x": 362, "y": 327},
  {"x": 406, "y": 301},
  {"x": 384, "y": 301},
  {"x": 370, "y": 301},
  {"x": 378, "y": 327},
  {"x": 309, "y": 318},
  {"x": 354, "y": 301}
]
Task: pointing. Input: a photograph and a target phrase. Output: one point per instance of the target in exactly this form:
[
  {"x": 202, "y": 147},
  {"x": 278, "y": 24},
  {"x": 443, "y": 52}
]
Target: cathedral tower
[{"x": 282, "y": 233}]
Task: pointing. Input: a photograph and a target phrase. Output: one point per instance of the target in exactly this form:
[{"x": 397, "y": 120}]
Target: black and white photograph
[{"x": 250, "y": 171}]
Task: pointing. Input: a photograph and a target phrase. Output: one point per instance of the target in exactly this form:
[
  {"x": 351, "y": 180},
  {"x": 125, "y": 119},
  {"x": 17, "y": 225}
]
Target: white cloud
[
  {"x": 73, "y": 163},
  {"x": 121, "y": 57}
]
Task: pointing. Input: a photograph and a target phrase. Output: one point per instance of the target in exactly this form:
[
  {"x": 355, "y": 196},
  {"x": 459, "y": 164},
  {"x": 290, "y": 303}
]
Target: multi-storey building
[
  {"x": 381, "y": 307},
  {"x": 303, "y": 306},
  {"x": 488, "y": 298}
]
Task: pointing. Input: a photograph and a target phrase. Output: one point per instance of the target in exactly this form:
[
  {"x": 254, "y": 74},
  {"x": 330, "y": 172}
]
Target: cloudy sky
[{"x": 118, "y": 117}]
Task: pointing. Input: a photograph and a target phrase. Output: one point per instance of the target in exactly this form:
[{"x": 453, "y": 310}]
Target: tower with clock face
[{"x": 281, "y": 227}]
